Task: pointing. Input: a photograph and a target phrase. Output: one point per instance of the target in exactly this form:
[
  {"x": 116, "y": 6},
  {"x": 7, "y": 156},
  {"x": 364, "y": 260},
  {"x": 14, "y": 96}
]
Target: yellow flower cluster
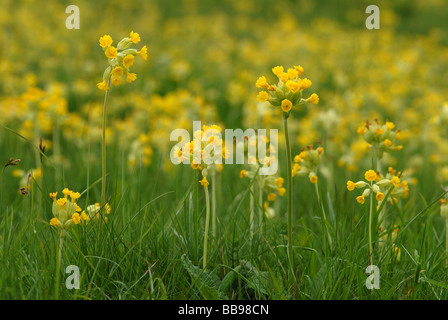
[
  {"x": 379, "y": 185},
  {"x": 206, "y": 148},
  {"x": 121, "y": 58},
  {"x": 380, "y": 137},
  {"x": 93, "y": 210},
  {"x": 288, "y": 91},
  {"x": 66, "y": 211},
  {"x": 307, "y": 163},
  {"x": 271, "y": 185},
  {"x": 400, "y": 184},
  {"x": 267, "y": 183}
]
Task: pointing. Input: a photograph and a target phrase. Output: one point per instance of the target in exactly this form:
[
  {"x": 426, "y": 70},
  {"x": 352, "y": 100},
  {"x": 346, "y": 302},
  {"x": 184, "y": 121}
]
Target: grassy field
[{"x": 143, "y": 235}]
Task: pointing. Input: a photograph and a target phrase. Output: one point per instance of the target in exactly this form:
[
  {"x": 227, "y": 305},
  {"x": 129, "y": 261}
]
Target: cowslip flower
[
  {"x": 120, "y": 59},
  {"x": 135, "y": 37},
  {"x": 106, "y": 41},
  {"x": 370, "y": 187},
  {"x": 92, "y": 212},
  {"x": 288, "y": 92},
  {"x": 65, "y": 210},
  {"x": 205, "y": 153},
  {"x": 381, "y": 138},
  {"x": 399, "y": 181},
  {"x": 270, "y": 185},
  {"x": 307, "y": 162},
  {"x": 375, "y": 185}
]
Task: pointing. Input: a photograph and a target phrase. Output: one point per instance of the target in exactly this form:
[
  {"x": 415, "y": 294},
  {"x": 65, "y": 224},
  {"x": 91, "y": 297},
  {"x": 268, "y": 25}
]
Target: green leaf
[{"x": 207, "y": 282}]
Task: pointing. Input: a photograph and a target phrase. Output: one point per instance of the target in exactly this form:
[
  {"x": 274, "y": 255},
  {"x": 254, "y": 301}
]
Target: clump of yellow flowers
[
  {"x": 288, "y": 91},
  {"x": 66, "y": 214},
  {"x": 121, "y": 58},
  {"x": 205, "y": 153},
  {"x": 66, "y": 211},
  {"x": 94, "y": 209},
  {"x": 377, "y": 186},
  {"x": 380, "y": 137},
  {"x": 269, "y": 184},
  {"x": 370, "y": 187},
  {"x": 206, "y": 147},
  {"x": 307, "y": 162}
]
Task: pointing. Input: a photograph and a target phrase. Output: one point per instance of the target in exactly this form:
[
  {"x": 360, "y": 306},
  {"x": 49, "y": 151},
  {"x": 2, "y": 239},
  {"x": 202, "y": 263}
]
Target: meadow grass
[{"x": 152, "y": 243}]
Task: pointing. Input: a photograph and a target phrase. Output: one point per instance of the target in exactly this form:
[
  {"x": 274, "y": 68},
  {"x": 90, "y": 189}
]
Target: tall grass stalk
[
  {"x": 324, "y": 216},
  {"x": 213, "y": 205},
  {"x": 261, "y": 209},
  {"x": 370, "y": 227},
  {"x": 207, "y": 222},
  {"x": 252, "y": 211}
]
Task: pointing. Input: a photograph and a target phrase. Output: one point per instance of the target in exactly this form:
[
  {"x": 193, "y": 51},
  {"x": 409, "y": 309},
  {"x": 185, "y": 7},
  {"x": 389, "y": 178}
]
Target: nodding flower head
[
  {"x": 380, "y": 186},
  {"x": 381, "y": 137},
  {"x": 399, "y": 182},
  {"x": 65, "y": 210},
  {"x": 205, "y": 152},
  {"x": 306, "y": 163},
  {"x": 288, "y": 92},
  {"x": 120, "y": 59}
]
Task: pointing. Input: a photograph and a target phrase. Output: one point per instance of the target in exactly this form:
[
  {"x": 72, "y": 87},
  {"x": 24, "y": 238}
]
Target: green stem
[
  {"x": 1, "y": 190},
  {"x": 251, "y": 218},
  {"x": 446, "y": 241},
  {"x": 213, "y": 206},
  {"x": 195, "y": 212},
  {"x": 58, "y": 263},
  {"x": 370, "y": 227},
  {"x": 207, "y": 221},
  {"x": 103, "y": 161},
  {"x": 57, "y": 144},
  {"x": 261, "y": 209},
  {"x": 289, "y": 175},
  {"x": 316, "y": 187}
]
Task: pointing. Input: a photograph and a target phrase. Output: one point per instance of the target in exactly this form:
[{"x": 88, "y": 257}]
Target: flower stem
[
  {"x": 58, "y": 263},
  {"x": 207, "y": 221},
  {"x": 289, "y": 175},
  {"x": 370, "y": 229},
  {"x": 195, "y": 212},
  {"x": 446, "y": 241},
  {"x": 103, "y": 160},
  {"x": 251, "y": 218},
  {"x": 261, "y": 209},
  {"x": 213, "y": 207}
]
